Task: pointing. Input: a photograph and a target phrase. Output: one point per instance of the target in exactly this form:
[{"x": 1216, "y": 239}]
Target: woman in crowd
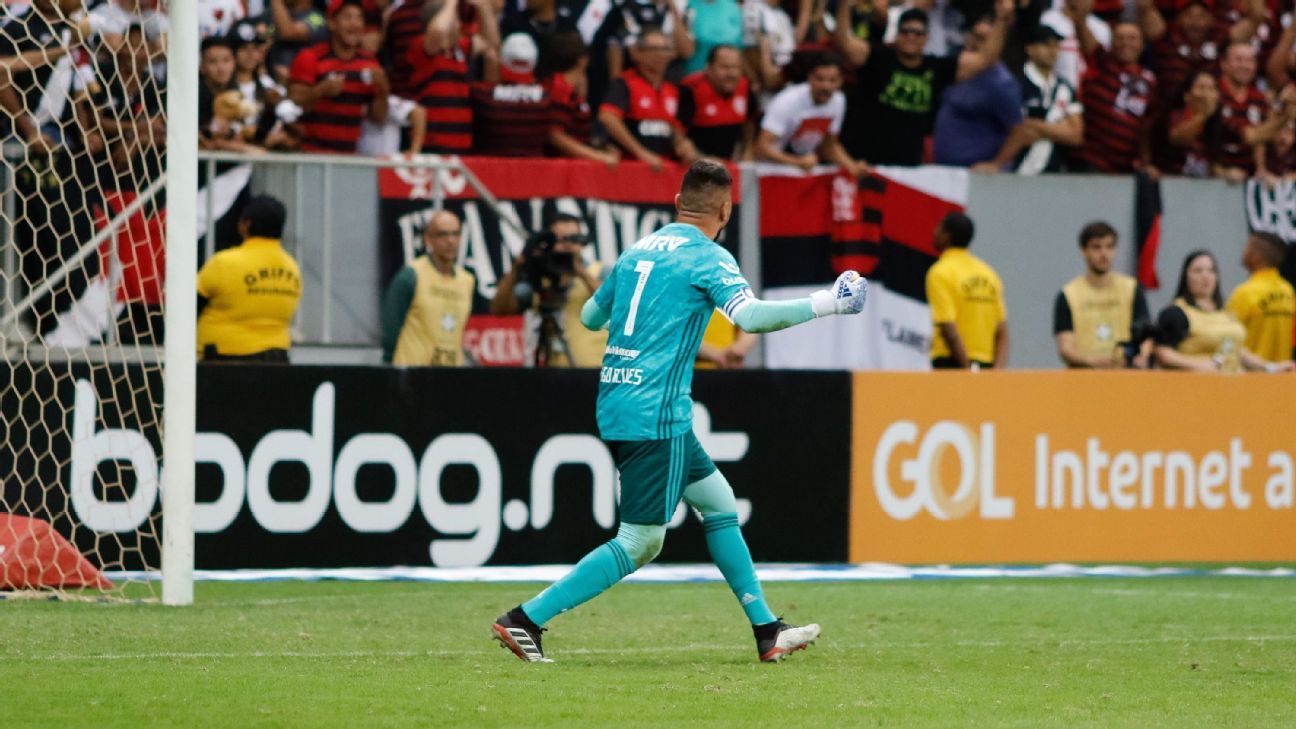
[
  {"x": 1189, "y": 125},
  {"x": 1197, "y": 333}
]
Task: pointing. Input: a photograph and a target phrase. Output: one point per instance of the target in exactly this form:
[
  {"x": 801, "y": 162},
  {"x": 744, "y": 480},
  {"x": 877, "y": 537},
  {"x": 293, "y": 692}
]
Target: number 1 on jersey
[{"x": 644, "y": 268}]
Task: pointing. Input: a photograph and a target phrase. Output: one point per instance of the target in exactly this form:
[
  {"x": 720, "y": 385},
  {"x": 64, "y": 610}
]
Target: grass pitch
[{"x": 1199, "y": 651}]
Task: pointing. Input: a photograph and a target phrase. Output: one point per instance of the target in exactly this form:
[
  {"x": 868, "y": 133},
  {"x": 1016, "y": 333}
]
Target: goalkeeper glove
[{"x": 845, "y": 297}]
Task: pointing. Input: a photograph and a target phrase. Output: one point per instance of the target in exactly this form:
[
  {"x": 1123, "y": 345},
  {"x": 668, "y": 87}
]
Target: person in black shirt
[
  {"x": 612, "y": 27},
  {"x": 898, "y": 88},
  {"x": 541, "y": 20},
  {"x": 123, "y": 114},
  {"x": 717, "y": 106}
]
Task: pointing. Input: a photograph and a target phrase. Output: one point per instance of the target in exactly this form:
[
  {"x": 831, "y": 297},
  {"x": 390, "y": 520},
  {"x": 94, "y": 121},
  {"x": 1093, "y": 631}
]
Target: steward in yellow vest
[
  {"x": 1197, "y": 333},
  {"x": 1096, "y": 316},
  {"x": 426, "y": 307}
]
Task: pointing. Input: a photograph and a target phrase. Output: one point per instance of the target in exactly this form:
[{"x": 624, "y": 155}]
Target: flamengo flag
[
  {"x": 815, "y": 226},
  {"x": 1147, "y": 219}
]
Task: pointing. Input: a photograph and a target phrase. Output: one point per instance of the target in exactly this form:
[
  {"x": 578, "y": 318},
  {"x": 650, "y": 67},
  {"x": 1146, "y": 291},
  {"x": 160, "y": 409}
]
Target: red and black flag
[
  {"x": 1147, "y": 220},
  {"x": 813, "y": 227}
]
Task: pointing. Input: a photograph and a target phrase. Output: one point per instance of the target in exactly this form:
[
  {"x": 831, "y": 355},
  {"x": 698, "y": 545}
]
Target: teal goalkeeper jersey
[{"x": 660, "y": 295}]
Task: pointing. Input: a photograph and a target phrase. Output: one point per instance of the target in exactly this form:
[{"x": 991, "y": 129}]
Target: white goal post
[
  {"x": 97, "y": 341},
  {"x": 179, "y": 366}
]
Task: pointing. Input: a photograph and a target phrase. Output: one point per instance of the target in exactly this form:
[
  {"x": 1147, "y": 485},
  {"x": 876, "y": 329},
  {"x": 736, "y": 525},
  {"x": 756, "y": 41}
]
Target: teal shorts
[{"x": 654, "y": 474}]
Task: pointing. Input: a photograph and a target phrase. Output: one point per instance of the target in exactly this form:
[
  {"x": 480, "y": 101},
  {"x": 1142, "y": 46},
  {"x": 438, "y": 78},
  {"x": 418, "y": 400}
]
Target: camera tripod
[{"x": 549, "y": 333}]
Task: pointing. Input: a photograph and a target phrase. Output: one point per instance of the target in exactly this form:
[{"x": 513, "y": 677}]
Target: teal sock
[
  {"x": 729, "y": 552},
  {"x": 596, "y": 572}
]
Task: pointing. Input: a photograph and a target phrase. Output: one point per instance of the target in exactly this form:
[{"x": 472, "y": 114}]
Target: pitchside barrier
[{"x": 370, "y": 466}]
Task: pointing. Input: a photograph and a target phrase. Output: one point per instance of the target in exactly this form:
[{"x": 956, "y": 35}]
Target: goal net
[{"x": 84, "y": 225}]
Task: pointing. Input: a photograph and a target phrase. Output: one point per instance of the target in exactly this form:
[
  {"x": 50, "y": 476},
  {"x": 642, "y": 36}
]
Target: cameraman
[{"x": 551, "y": 277}]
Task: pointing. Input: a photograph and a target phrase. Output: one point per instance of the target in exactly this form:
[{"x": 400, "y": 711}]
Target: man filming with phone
[{"x": 549, "y": 283}]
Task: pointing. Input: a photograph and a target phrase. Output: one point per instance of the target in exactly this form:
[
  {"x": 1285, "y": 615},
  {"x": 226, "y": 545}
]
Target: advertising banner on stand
[
  {"x": 371, "y": 466},
  {"x": 619, "y": 205},
  {"x": 1272, "y": 208},
  {"x": 1037, "y": 467},
  {"x": 882, "y": 227}
]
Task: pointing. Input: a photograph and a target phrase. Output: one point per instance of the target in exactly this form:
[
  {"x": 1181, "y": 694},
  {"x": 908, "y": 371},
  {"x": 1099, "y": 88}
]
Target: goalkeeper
[{"x": 657, "y": 301}]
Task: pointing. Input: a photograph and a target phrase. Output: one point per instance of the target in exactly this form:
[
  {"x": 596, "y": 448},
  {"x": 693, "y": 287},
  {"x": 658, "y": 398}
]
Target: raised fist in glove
[{"x": 845, "y": 297}]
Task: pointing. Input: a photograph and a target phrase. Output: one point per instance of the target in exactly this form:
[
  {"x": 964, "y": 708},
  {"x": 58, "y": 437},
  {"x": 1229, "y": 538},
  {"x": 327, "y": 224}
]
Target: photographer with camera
[
  {"x": 550, "y": 282},
  {"x": 1101, "y": 319}
]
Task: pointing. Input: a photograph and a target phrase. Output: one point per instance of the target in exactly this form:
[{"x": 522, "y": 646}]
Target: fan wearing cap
[
  {"x": 511, "y": 118},
  {"x": 223, "y": 111},
  {"x": 1054, "y": 114},
  {"x": 256, "y": 85},
  {"x": 338, "y": 84},
  {"x": 542, "y": 20},
  {"x": 440, "y": 69}
]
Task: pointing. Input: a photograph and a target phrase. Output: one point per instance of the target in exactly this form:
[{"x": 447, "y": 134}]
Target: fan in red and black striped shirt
[
  {"x": 570, "y": 121},
  {"x": 511, "y": 118},
  {"x": 338, "y": 84},
  {"x": 373, "y": 32},
  {"x": 1237, "y": 151},
  {"x": 440, "y": 71},
  {"x": 1117, "y": 93},
  {"x": 1193, "y": 42},
  {"x": 405, "y": 26}
]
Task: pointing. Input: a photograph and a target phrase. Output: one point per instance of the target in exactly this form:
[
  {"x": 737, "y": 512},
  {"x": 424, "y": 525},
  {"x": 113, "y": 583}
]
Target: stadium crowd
[{"x": 1181, "y": 87}]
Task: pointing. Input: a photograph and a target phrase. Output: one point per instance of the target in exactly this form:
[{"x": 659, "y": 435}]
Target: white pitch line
[
  {"x": 640, "y": 650},
  {"x": 1152, "y": 591}
]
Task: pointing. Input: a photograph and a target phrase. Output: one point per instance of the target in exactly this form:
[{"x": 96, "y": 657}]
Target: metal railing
[{"x": 329, "y": 165}]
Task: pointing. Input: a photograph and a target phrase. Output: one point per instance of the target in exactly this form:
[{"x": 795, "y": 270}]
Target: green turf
[{"x": 1175, "y": 652}]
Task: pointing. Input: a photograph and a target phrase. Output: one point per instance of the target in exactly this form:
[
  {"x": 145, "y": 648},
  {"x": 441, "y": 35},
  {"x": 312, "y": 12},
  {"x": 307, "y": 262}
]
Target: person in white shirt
[
  {"x": 802, "y": 124},
  {"x": 383, "y": 140},
  {"x": 770, "y": 39},
  {"x": 111, "y": 20}
]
